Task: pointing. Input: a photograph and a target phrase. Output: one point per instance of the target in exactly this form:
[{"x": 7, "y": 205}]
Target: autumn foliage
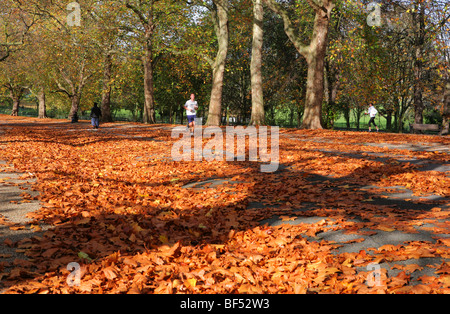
[{"x": 117, "y": 205}]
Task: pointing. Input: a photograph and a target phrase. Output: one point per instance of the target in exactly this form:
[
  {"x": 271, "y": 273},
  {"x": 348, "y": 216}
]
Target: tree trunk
[
  {"x": 257, "y": 117},
  {"x": 299, "y": 116},
  {"x": 16, "y": 103},
  {"x": 446, "y": 111},
  {"x": 15, "y": 93},
  {"x": 314, "y": 54},
  {"x": 182, "y": 115},
  {"x": 312, "y": 118},
  {"x": 75, "y": 104},
  {"x": 75, "y": 89},
  {"x": 358, "y": 112},
  {"x": 220, "y": 17},
  {"x": 106, "y": 92},
  {"x": 347, "y": 116},
  {"x": 146, "y": 17},
  {"x": 331, "y": 87},
  {"x": 42, "y": 104},
  {"x": 149, "y": 102},
  {"x": 418, "y": 63},
  {"x": 389, "y": 119}
]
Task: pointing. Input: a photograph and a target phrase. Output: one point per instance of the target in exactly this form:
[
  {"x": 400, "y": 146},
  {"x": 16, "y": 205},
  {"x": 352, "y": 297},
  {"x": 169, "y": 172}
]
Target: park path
[
  {"x": 395, "y": 196},
  {"x": 17, "y": 199}
]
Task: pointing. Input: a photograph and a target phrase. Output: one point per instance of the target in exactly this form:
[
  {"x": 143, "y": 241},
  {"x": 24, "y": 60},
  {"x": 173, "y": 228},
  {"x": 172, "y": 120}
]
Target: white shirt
[
  {"x": 372, "y": 111},
  {"x": 190, "y": 105}
]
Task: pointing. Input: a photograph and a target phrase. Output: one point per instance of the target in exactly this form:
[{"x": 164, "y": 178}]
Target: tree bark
[
  {"x": 15, "y": 109},
  {"x": 314, "y": 54},
  {"x": 419, "y": 25},
  {"x": 149, "y": 102},
  {"x": 220, "y": 19},
  {"x": 75, "y": 104},
  {"x": 312, "y": 118},
  {"x": 106, "y": 92},
  {"x": 257, "y": 117},
  {"x": 146, "y": 17},
  {"x": 15, "y": 93},
  {"x": 75, "y": 96},
  {"x": 75, "y": 89},
  {"x": 446, "y": 111},
  {"x": 42, "y": 114}
]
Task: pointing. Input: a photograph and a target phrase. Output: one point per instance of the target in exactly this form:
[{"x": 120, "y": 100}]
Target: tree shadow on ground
[
  {"x": 143, "y": 228},
  {"x": 63, "y": 133},
  {"x": 136, "y": 223}
]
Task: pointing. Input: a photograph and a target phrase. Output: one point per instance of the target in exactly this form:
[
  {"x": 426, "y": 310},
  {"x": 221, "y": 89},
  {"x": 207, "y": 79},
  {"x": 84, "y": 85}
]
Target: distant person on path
[
  {"x": 191, "y": 106},
  {"x": 372, "y": 112},
  {"x": 96, "y": 113}
]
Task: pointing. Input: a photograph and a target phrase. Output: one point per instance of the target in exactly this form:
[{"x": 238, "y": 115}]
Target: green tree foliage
[{"x": 142, "y": 59}]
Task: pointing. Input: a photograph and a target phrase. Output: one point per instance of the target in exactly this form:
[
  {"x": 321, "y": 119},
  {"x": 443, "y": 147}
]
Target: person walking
[
  {"x": 96, "y": 113},
  {"x": 191, "y": 106},
  {"x": 372, "y": 112}
]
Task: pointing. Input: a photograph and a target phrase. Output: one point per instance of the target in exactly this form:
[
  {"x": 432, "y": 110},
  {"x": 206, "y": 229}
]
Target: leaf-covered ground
[{"x": 137, "y": 221}]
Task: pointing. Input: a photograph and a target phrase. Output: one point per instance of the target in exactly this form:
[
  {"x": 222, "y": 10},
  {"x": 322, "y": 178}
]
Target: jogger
[
  {"x": 372, "y": 112},
  {"x": 191, "y": 106}
]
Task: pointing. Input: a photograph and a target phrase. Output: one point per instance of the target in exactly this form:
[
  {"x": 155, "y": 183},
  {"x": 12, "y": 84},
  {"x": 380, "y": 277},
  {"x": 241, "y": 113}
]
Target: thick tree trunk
[
  {"x": 314, "y": 54},
  {"x": 149, "y": 98},
  {"x": 75, "y": 98},
  {"x": 312, "y": 118},
  {"x": 42, "y": 114},
  {"x": 146, "y": 17},
  {"x": 106, "y": 93},
  {"x": 257, "y": 117},
  {"x": 389, "y": 119},
  {"x": 220, "y": 17},
  {"x": 75, "y": 90},
  {"x": 16, "y": 104},
  {"x": 15, "y": 93},
  {"x": 75, "y": 104}
]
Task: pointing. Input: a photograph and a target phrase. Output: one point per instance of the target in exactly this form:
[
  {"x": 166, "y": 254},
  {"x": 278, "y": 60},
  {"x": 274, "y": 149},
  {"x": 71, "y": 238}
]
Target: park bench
[{"x": 424, "y": 127}]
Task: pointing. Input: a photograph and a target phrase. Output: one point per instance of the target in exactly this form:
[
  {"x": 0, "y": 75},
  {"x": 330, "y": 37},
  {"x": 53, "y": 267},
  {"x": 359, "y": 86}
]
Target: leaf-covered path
[{"x": 347, "y": 212}]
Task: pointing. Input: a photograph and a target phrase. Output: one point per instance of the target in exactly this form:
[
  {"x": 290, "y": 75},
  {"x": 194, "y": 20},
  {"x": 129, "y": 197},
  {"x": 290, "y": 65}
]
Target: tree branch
[
  {"x": 302, "y": 48},
  {"x": 316, "y": 6},
  {"x": 141, "y": 16},
  {"x": 61, "y": 89}
]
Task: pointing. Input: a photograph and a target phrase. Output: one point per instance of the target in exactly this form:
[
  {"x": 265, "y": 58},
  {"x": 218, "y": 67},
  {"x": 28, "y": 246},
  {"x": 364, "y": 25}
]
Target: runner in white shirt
[
  {"x": 191, "y": 106},
  {"x": 372, "y": 112}
]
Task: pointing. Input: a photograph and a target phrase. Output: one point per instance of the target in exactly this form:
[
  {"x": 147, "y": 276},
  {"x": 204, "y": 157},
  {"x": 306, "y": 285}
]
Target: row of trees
[{"x": 246, "y": 58}]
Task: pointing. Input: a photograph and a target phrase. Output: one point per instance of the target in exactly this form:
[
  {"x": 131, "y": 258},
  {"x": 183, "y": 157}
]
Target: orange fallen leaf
[
  {"x": 410, "y": 268},
  {"x": 191, "y": 282},
  {"x": 110, "y": 273}
]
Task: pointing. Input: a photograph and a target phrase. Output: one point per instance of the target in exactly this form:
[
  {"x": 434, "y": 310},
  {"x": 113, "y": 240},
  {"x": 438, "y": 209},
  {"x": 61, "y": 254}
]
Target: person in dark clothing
[{"x": 96, "y": 113}]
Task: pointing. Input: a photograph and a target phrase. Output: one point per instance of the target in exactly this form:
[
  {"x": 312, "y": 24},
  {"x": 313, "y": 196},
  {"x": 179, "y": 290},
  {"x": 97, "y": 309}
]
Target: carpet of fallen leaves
[{"x": 118, "y": 206}]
